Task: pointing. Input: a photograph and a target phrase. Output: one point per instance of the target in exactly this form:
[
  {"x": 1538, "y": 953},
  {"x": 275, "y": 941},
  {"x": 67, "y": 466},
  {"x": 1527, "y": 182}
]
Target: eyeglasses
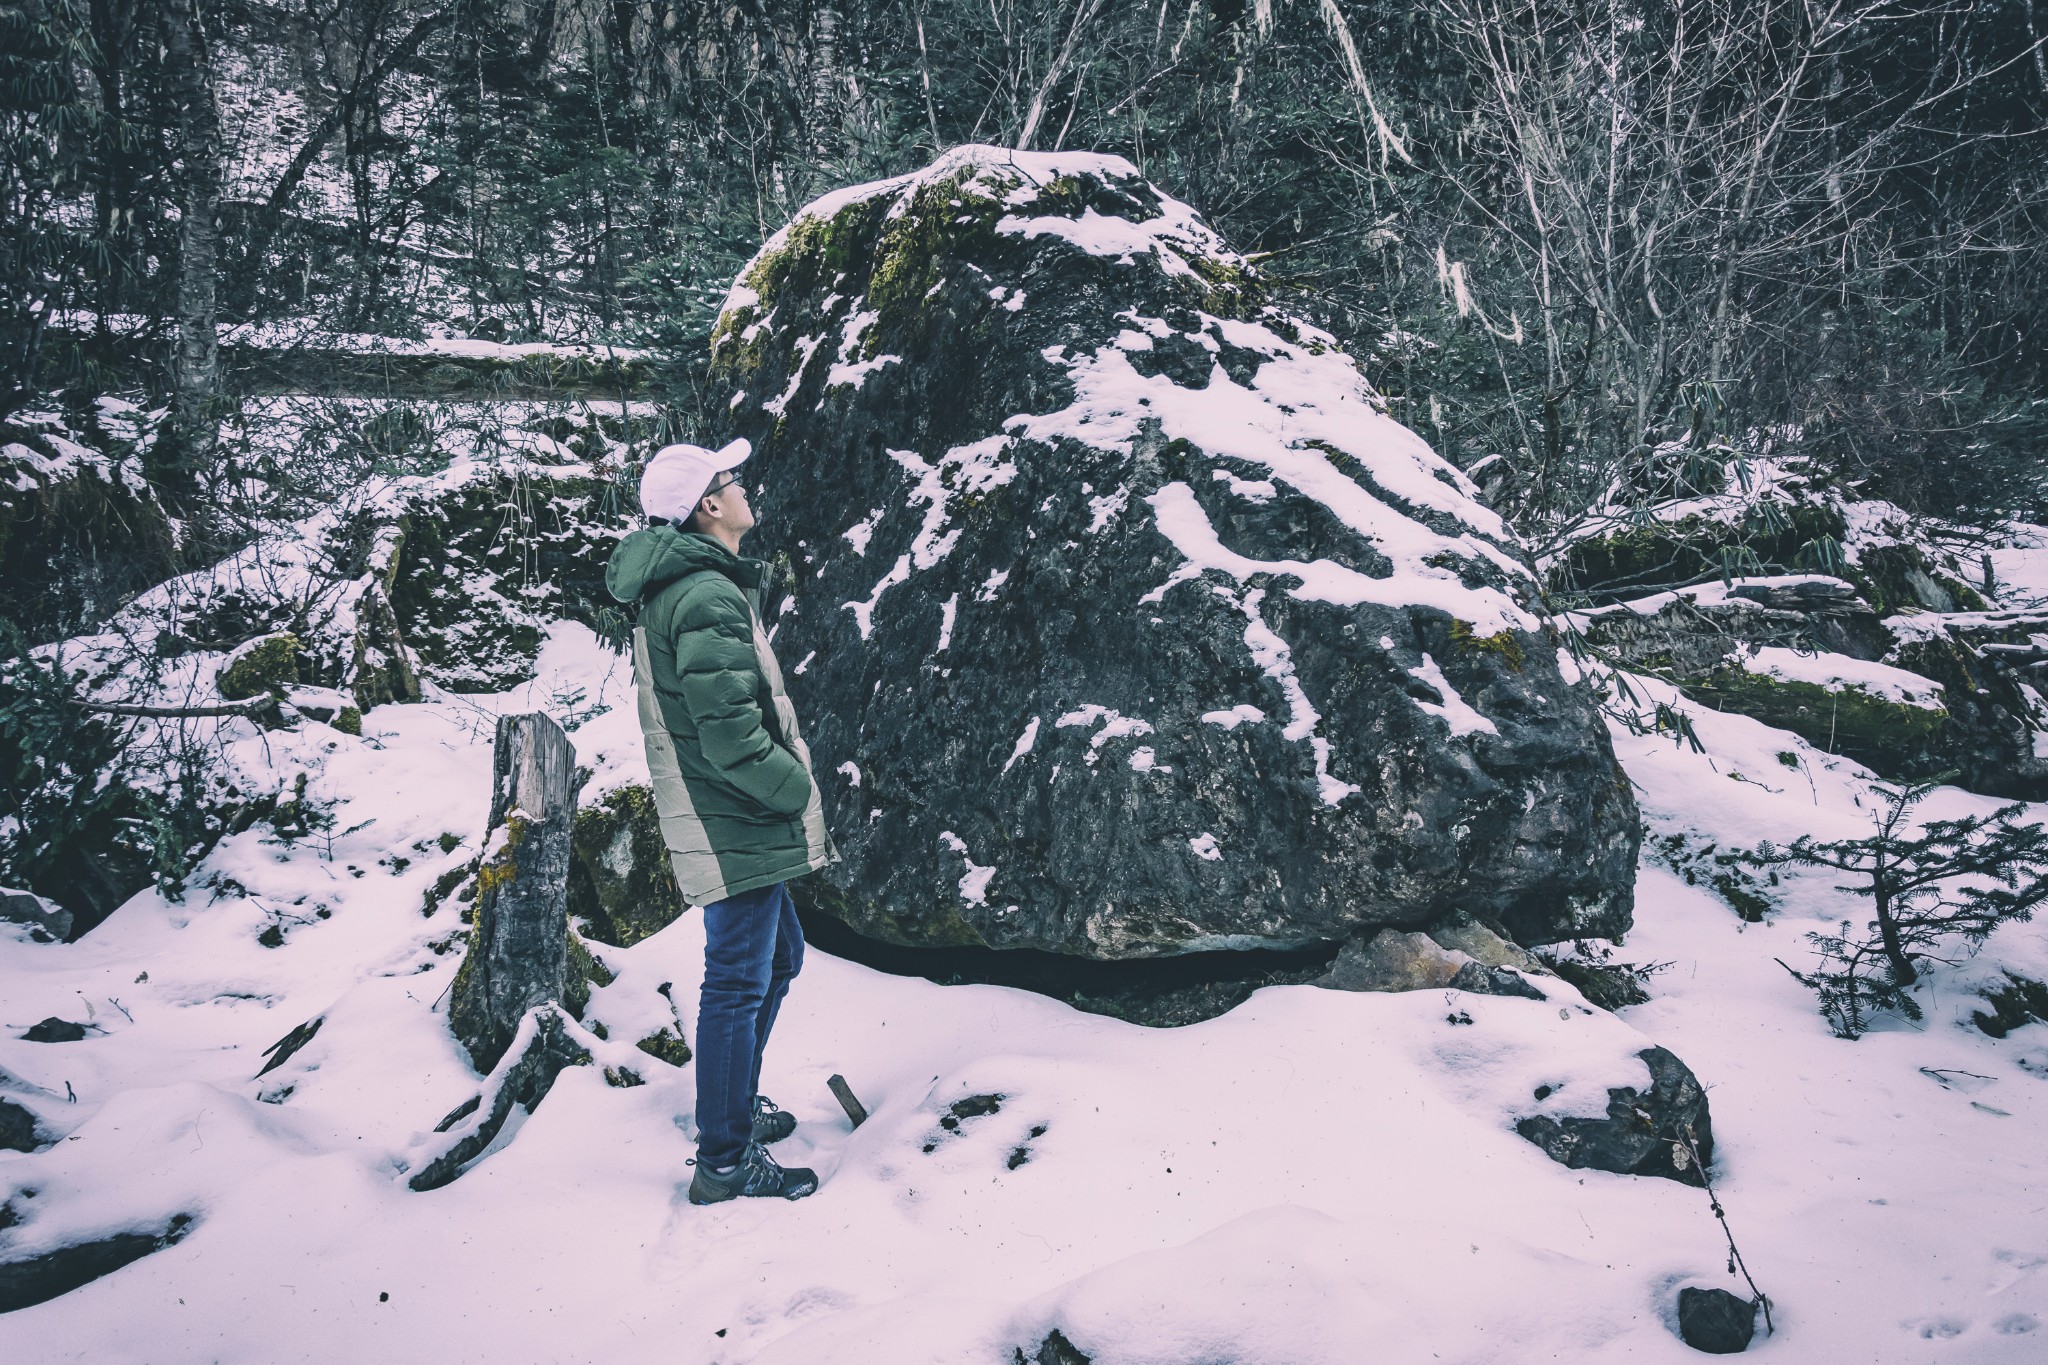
[{"x": 730, "y": 480}]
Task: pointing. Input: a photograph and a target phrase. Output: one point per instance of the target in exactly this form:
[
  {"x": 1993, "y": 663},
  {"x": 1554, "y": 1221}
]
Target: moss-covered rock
[
  {"x": 1902, "y": 577},
  {"x": 485, "y": 566},
  {"x": 621, "y": 886},
  {"x": 1037, "y": 383},
  {"x": 265, "y": 666},
  {"x": 666, "y": 1046},
  {"x": 1889, "y": 737},
  {"x": 585, "y": 971},
  {"x": 1636, "y": 560}
]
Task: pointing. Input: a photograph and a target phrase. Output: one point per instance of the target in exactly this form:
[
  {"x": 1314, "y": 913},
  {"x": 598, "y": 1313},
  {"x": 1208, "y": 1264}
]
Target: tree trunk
[
  {"x": 519, "y": 946},
  {"x": 195, "y": 368},
  {"x": 1084, "y": 13},
  {"x": 1888, "y": 930}
]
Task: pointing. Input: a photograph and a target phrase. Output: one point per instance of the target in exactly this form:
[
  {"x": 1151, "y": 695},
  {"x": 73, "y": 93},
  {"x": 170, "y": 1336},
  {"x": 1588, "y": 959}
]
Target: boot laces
[{"x": 760, "y": 1170}]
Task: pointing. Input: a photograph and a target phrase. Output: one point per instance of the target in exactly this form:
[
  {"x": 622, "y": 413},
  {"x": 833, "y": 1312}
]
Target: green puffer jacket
[{"x": 732, "y": 777}]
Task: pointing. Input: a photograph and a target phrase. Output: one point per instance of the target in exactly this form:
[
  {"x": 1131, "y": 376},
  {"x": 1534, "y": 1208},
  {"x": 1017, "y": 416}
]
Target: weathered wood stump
[
  {"x": 547, "y": 1040},
  {"x": 519, "y": 945}
]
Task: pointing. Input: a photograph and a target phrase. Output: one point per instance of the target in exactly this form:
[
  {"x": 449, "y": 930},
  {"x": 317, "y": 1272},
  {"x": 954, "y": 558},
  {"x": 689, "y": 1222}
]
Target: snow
[
  {"x": 806, "y": 347},
  {"x": 1453, "y": 709},
  {"x": 973, "y": 886},
  {"x": 1114, "y": 725},
  {"x": 1024, "y": 744},
  {"x": 1312, "y": 1171},
  {"x": 853, "y": 374},
  {"x": 861, "y": 532}
]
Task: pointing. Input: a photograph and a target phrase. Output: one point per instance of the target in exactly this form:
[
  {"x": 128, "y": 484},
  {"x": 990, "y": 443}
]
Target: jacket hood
[{"x": 655, "y": 555}]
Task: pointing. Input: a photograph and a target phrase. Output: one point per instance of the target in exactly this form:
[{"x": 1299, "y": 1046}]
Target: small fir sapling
[{"x": 1941, "y": 882}]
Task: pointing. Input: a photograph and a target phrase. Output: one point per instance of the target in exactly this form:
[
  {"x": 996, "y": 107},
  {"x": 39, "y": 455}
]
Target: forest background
[{"x": 1599, "y": 252}]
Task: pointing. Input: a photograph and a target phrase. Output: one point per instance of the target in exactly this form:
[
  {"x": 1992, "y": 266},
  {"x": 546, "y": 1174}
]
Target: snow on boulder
[
  {"x": 1145, "y": 628},
  {"x": 81, "y": 530}
]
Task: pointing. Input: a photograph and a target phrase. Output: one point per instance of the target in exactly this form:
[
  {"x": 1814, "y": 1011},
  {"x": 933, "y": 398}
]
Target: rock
[
  {"x": 1778, "y": 539},
  {"x": 1814, "y": 594},
  {"x": 1054, "y": 1350},
  {"x": 1642, "y": 1133},
  {"x": 1483, "y": 945},
  {"x": 97, "y": 878},
  {"x": 1715, "y": 1321},
  {"x": 519, "y": 946},
  {"x": 1971, "y": 716},
  {"x": 2019, "y": 1001},
  {"x": 328, "y": 705},
  {"x": 1994, "y": 722},
  {"x": 81, "y": 531},
  {"x": 1611, "y": 986},
  {"x": 1156, "y": 992},
  {"x": 1482, "y": 980},
  {"x": 667, "y": 1047},
  {"x": 621, "y": 886},
  {"x": 265, "y": 666},
  {"x": 47, "y": 917},
  {"x": 1122, "y": 619},
  {"x": 1394, "y": 961},
  {"x": 54, "y": 1030},
  {"x": 38, "y": 1279},
  {"x": 486, "y": 563},
  {"x": 17, "y": 1128},
  {"x": 285, "y": 1048}
]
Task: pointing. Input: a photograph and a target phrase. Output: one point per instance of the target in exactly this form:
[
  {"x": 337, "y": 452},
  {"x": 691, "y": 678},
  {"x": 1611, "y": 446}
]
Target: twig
[{"x": 1735, "y": 1261}]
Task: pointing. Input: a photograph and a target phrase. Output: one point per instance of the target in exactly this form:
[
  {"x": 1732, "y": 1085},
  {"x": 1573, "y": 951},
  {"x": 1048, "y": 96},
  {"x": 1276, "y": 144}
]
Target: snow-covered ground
[{"x": 1314, "y": 1177}]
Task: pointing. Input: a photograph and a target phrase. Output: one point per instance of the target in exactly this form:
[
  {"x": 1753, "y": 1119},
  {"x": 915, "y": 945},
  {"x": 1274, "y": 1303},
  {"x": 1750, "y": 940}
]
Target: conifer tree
[{"x": 1942, "y": 883}]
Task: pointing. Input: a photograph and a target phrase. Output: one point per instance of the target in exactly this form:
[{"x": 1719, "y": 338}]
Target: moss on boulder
[
  {"x": 1642, "y": 559},
  {"x": 1889, "y": 737},
  {"x": 265, "y": 666},
  {"x": 621, "y": 886}
]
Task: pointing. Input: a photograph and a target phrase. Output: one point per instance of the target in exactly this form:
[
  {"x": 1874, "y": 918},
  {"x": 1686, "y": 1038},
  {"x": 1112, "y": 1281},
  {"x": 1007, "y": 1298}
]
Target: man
[{"x": 740, "y": 812}]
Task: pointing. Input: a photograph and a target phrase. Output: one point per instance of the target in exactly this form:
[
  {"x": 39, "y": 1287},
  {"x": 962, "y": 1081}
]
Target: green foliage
[
  {"x": 84, "y": 810},
  {"x": 1702, "y": 863},
  {"x": 1942, "y": 885}
]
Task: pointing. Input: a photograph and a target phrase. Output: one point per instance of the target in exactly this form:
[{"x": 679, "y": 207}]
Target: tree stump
[
  {"x": 545, "y": 1042},
  {"x": 519, "y": 945}
]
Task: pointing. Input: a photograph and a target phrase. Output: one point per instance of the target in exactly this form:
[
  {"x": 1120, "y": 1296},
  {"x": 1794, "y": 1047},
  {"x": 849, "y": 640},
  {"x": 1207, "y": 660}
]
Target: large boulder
[{"x": 1123, "y": 620}]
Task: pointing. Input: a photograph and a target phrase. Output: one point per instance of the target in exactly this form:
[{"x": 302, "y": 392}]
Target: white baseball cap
[{"x": 675, "y": 479}]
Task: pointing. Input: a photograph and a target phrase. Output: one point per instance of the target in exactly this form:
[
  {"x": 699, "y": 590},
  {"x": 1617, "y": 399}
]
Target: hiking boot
[
  {"x": 771, "y": 1123},
  {"x": 756, "y": 1174}
]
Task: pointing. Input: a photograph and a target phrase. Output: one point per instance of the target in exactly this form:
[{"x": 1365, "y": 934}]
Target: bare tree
[{"x": 194, "y": 421}]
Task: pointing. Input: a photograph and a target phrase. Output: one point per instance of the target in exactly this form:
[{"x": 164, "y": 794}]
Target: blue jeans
[{"x": 753, "y": 946}]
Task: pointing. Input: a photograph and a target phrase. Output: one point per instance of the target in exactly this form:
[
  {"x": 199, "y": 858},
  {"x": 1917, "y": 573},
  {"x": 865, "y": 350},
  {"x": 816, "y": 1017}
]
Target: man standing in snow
[{"x": 740, "y": 812}]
